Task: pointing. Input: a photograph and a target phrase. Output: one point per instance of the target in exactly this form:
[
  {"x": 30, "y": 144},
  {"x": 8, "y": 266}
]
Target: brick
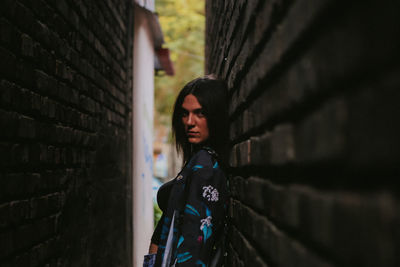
[
  {"x": 236, "y": 127},
  {"x": 61, "y": 27},
  {"x": 27, "y": 46},
  {"x": 42, "y": 33},
  {"x": 4, "y": 214},
  {"x": 260, "y": 149},
  {"x": 52, "y": 109},
  {"x": 244, "y": 153},
  {"x": 9, "y": 124},
  {"x": 254, "y": 188},
  {"x": 321, "y": 136},
  {"x": 19, "y": 211},
  {"x": 244, "y": 248},
  {"x": 30, "y": 234},
  {"x": 372, "y": 126},
  {"x": 24, "y": 18},
  {"x": 11, "y": 185},
  {"x": 43, "y": 251},
  {"x": 65, "y": 92},
  {"x": 233, "y": 258},
  {"x": 9, "y": 35},
  {"x": 19, "y": 154},
  {"x": 26, "y": 128},
  {"x": 276, "y": 245},
  {"x": 6, "y": 244},
  {"x": 43, "y": 82},
  {"x": 64, "y": 134},
  {"x": 233, "y": 156},
  {"x": 10, "y": 5},
  {"x": 50, "y": 154},
  {"x": 34, "y": 154},
  {"x": 54, "y": 181},
  {"x": 45, "y": 205},
  {"x": 288, "y": 209},
  {"x": 21, "y": 100},
  {"x": 371, "y": 217},
  {"x": 8, "y": 66},
  {"x": 80, "y": 82},
  {"x": 22, "y": 260},
  {"x": 48, "y": 63},
  {"x": 76, "y": 137},
  {"x": 25, "y": 74},
  {"x": 74, "y": 97},
  {"x": 36, "y": 101},
  {"x": 237, "y": 187},
  {"x": 60, "y": 69},
  {"x": 282, "y": 145},
  {"x": 6, "y": 97}
]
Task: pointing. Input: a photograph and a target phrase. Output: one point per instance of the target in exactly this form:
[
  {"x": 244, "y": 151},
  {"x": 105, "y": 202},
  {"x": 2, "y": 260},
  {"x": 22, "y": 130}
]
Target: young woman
[{"x": 194, "y": 203}]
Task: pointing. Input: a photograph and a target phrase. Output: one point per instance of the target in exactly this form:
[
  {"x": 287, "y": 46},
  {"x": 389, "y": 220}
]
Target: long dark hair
[{"x": 212, "y": 96}]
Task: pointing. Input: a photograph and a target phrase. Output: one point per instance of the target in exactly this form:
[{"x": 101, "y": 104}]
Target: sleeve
[
  {"x": 202, "y": 216},
  {"x": 155, "y": 239}
]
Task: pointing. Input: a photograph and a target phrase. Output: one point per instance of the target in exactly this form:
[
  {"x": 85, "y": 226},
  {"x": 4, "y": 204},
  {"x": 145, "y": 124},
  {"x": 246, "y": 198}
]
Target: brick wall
[
  {"x": 314, "y": 129},
  {"x": 65, "y": 108}
]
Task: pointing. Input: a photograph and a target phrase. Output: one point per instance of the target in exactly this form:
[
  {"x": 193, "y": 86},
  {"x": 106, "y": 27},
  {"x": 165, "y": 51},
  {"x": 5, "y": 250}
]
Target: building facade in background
[
  {"x": 147, "y": 34},
  {"x": 314, "y": 129}
]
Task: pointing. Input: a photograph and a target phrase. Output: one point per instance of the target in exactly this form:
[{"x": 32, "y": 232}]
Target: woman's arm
[
  {"x": 153, "y": 248},
  {"x": 155, "y": 239}
]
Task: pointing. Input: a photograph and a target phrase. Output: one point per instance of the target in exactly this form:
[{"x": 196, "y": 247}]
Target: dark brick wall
[
  {"x": 65, "y": 131},
  {"x": 314, "y": 128}
]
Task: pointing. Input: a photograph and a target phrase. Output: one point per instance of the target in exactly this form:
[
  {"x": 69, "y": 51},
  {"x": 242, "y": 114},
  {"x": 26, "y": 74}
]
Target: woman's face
[{"x": 194, "y": 121}]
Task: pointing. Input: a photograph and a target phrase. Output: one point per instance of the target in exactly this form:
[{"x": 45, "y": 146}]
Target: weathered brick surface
[
  {"x": 313, "y": 127},
  {"x": 65, "y": 108},
  {"x": 244, "y": 248}
]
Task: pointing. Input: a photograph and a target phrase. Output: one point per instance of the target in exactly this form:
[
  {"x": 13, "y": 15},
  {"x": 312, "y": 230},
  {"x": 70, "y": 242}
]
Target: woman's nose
[{"x": 190, "y": 119}]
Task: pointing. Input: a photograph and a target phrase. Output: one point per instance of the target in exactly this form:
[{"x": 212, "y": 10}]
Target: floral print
[
  {"x": 196, "y": 167},
  {"x": 200, "y": 263},
  {"x": 206, "y": 228},
  {"x": 180, "y": 241},
  {"x": 210, "y": 193},
  {"x": 202, "y": 214},
  {"x": 206, "y": 222},
  {"x": 191, "y": 210},
  {"x": 182, "y": 257}
]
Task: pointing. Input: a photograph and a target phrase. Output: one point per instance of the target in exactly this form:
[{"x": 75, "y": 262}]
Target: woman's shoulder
[{"x": 204, "y": 157}]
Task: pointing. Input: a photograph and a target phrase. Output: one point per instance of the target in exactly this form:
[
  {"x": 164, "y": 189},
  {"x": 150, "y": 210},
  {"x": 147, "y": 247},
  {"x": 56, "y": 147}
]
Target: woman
[{"x": 194, "y": 203}]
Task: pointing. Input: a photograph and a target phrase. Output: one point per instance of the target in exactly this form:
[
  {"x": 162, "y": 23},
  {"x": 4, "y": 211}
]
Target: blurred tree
[
  {"x": 157, "y": 214},
  {"x": 183, "y": 24}
]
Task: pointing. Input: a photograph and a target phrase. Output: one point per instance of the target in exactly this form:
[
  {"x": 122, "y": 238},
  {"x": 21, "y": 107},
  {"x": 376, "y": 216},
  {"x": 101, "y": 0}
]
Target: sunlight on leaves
[{"x": 183, "y": 25}]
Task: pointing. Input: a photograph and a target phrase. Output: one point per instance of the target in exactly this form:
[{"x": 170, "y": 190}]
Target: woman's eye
[
  {"x": 200, "y": 114},
  {"x": 184, "y": 113}
]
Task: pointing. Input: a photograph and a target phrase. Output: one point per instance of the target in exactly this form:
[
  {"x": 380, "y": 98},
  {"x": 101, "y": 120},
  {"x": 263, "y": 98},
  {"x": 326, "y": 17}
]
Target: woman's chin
[{"x": 195, "y": 140}]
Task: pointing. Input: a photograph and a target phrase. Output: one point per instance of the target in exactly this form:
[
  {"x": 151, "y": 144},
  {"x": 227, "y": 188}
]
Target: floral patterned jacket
[{"x": 201, "y": 216}]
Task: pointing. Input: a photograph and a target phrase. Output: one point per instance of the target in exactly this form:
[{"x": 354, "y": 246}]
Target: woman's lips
[{"x": 192, "y": 133}]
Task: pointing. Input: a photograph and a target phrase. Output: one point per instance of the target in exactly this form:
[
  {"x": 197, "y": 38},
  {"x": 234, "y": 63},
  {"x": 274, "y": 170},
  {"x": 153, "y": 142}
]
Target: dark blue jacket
[{"x": 201, "y": 207}]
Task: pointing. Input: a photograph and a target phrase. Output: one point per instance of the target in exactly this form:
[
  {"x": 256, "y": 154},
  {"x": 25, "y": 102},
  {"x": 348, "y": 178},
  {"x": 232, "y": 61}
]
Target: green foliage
[
  {"x": 157, "y": 214},
  {"x": 183, "y": 24}
]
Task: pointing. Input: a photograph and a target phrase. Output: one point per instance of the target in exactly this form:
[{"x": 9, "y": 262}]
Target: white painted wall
[
  {"x": 148, "y": 4},
  {"x": 143, "y": 102}
]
